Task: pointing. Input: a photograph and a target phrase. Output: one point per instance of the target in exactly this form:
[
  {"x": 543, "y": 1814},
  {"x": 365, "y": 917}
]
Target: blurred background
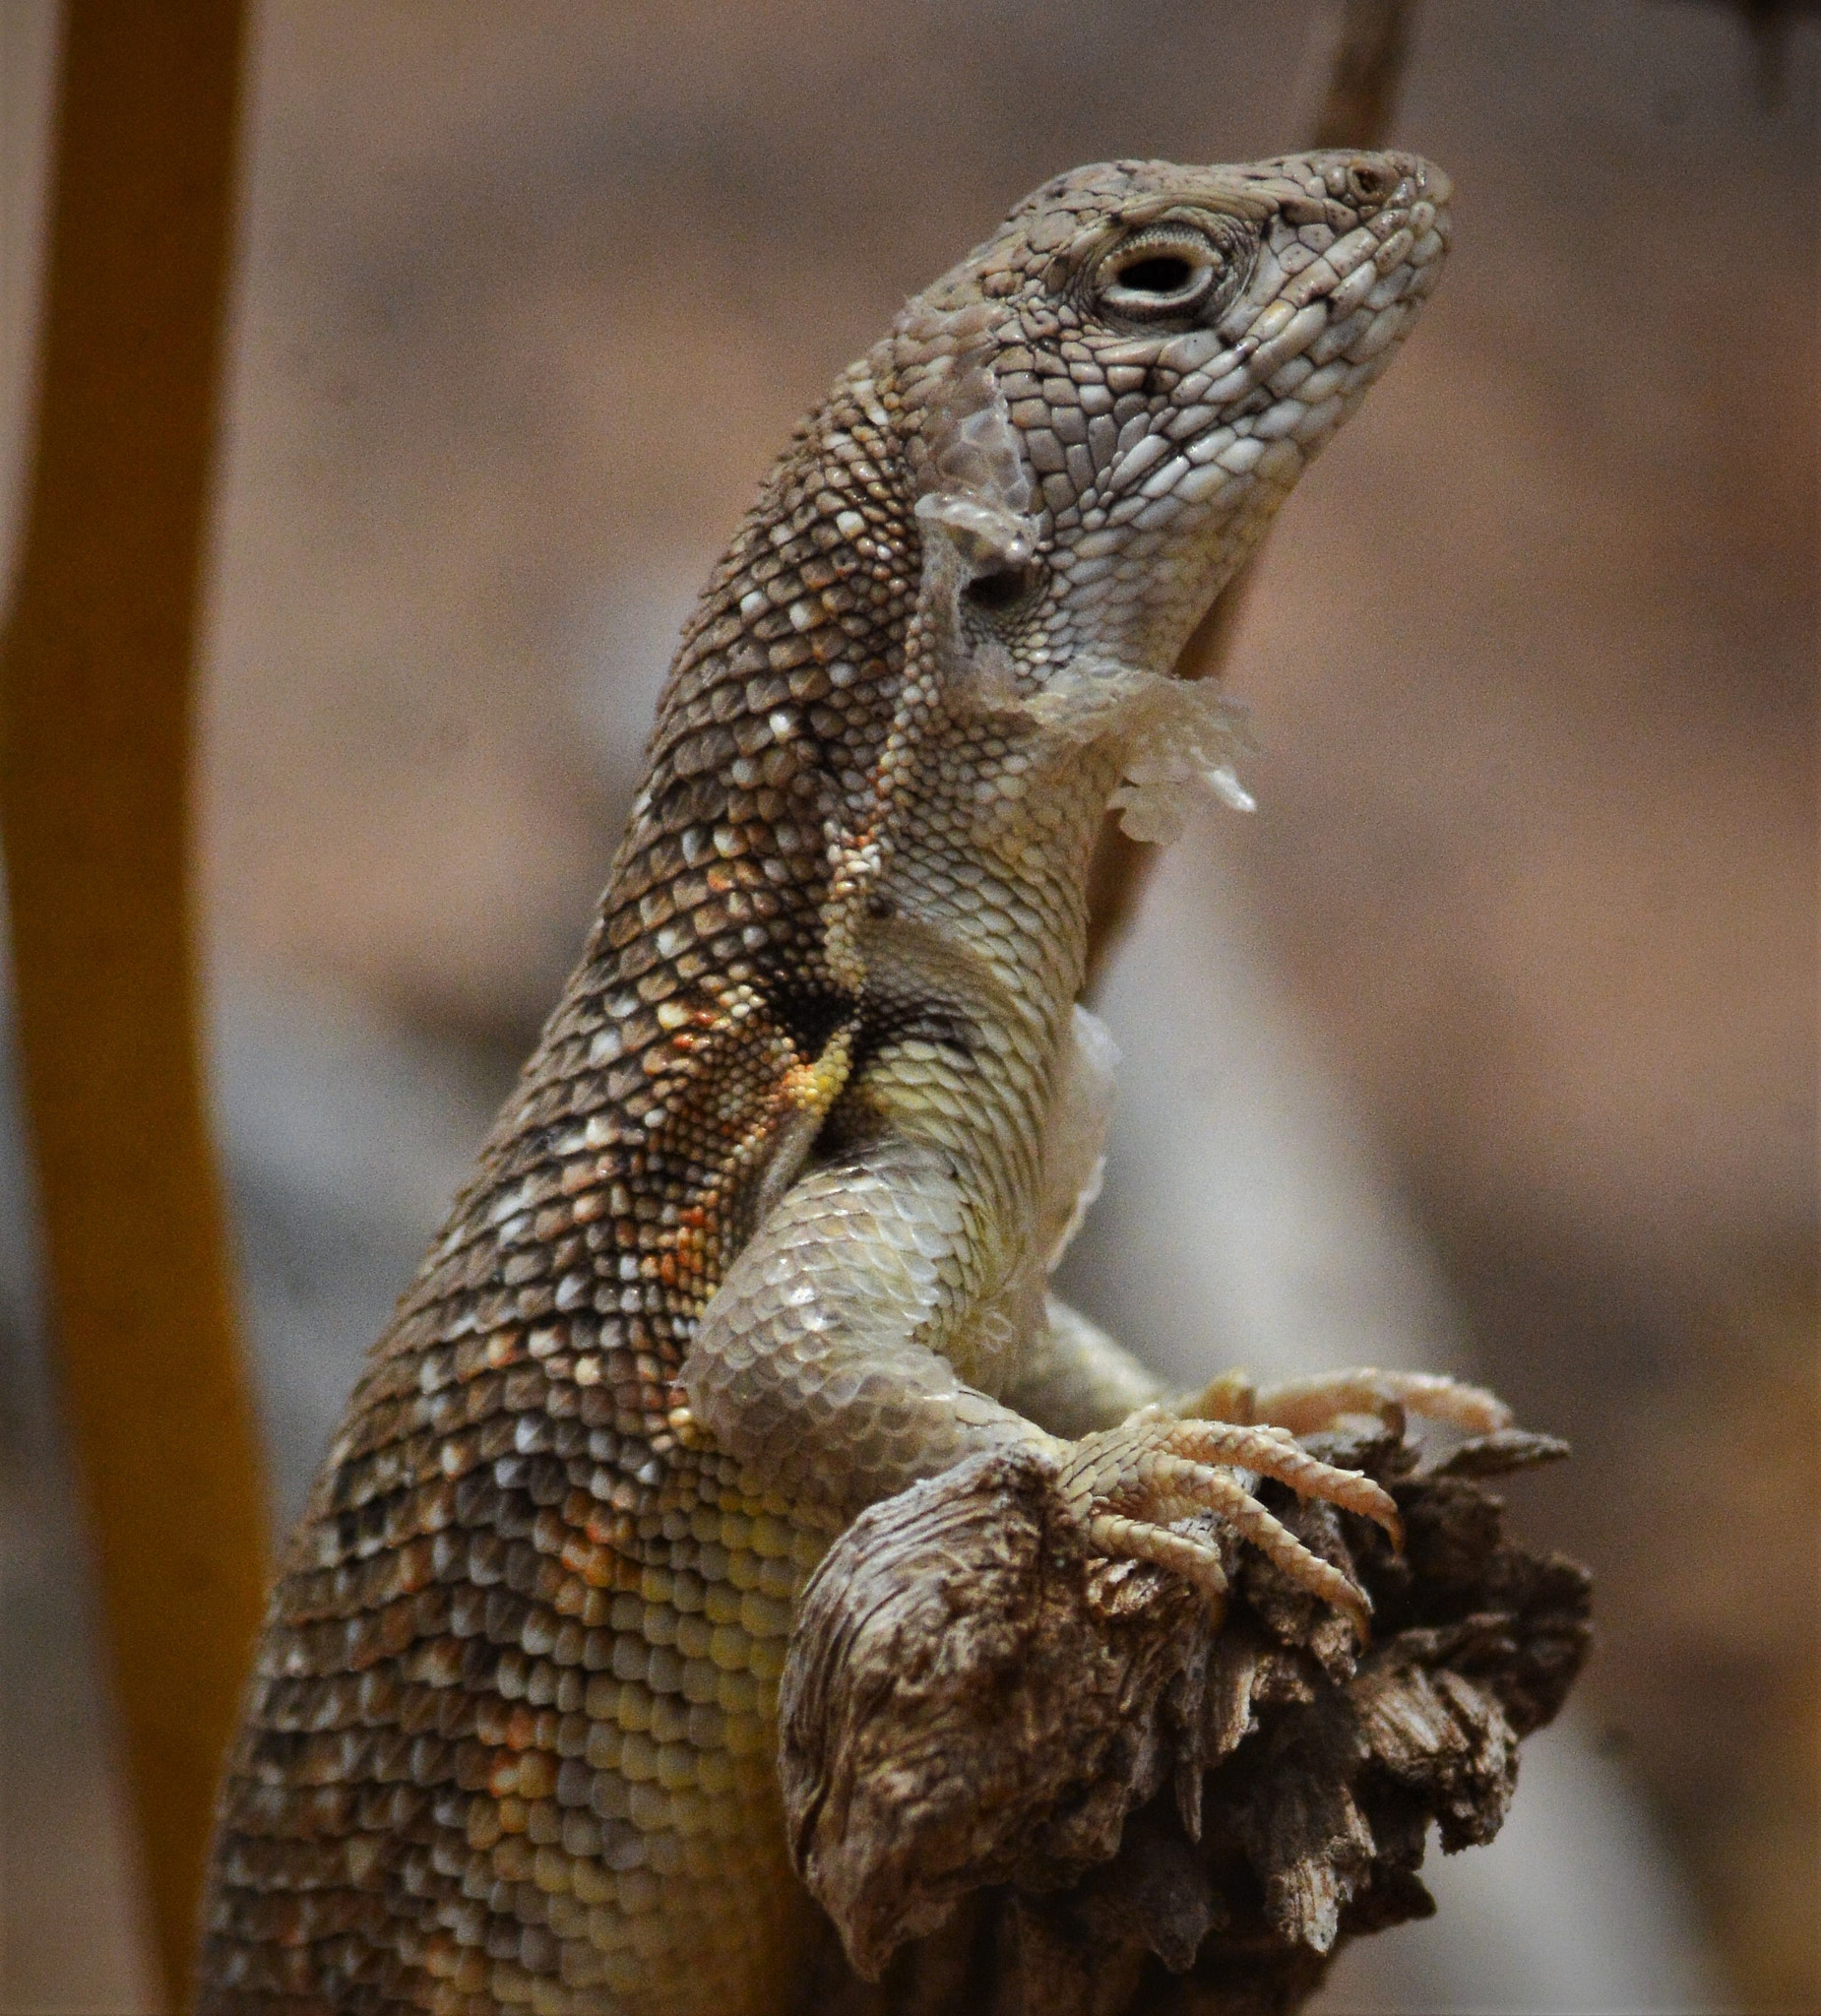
[{"x": 1488, "y": 1042}]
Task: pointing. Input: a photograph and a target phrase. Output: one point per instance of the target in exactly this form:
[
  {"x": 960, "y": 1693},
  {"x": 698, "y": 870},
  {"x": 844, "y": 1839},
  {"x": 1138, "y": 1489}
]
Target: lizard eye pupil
[{"x": 1159, "y": 275}]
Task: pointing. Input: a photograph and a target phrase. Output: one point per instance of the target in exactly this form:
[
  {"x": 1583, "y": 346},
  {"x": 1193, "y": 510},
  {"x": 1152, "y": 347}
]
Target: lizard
[{"x": 763, "y": 1235}]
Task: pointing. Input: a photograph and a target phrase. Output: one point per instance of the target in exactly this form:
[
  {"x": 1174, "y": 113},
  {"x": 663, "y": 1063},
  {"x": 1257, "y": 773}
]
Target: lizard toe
[
  {"x": 1304, "y": 1407},
  {"x": 1128, "y": 1485}
]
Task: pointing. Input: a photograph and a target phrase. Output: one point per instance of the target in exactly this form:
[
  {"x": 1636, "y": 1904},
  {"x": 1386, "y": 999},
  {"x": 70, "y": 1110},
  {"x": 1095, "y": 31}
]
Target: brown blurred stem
[
  {"x": 1366, "y": 44},
  {"x": 1369, "y": 46},
  {"x": 97, "y": 668}
]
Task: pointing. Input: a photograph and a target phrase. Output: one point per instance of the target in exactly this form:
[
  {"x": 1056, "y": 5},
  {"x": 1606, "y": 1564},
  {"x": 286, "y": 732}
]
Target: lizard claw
[
  {"x": 1128, "y": 1485},
  {"x": 1306, "y": 1405}
]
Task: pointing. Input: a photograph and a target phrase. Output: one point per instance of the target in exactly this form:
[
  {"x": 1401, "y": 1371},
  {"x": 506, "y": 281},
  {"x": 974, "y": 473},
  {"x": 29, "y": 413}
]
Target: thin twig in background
[{"x": 95, "y": 682}]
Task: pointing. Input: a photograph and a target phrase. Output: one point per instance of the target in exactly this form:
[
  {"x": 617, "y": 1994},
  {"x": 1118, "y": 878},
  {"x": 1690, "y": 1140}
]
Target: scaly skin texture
[{"x": 762, "y": 1236}]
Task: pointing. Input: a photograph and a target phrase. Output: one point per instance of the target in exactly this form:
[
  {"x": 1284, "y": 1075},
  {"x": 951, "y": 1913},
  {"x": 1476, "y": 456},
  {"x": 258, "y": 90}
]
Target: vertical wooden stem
[
  {"x": 1365, "y": 66},
  {"x": 97, "y": 668},
  {"x": 1366, "y": 44}
]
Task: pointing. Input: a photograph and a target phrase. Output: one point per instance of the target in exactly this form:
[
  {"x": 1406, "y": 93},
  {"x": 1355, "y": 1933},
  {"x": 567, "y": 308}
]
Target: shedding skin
[{"x": 763, "y": 1235}]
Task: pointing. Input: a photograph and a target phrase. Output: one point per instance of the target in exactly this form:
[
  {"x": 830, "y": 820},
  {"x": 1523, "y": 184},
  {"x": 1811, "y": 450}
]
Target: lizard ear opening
[{"x": 1004, "y": 588}]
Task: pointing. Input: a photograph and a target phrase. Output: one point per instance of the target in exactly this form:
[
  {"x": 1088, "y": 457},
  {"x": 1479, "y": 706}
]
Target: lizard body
[{"x": 762, "y": 1236}]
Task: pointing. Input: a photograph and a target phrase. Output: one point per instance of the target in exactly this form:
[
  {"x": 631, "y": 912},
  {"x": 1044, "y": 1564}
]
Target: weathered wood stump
[{"x": 1019, "y": 1778}]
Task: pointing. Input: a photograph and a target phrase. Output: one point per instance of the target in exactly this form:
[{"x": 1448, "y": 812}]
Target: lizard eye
[{"x": 1168, "y": 272}]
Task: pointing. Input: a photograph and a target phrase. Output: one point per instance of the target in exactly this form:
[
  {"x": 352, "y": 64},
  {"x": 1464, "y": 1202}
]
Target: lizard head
[{"x": 1110, "y": 397}]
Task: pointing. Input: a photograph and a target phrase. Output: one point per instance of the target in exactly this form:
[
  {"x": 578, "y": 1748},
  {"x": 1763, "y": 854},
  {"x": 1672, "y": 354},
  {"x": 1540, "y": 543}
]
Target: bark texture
[{"x": 1021, "y": 1778}]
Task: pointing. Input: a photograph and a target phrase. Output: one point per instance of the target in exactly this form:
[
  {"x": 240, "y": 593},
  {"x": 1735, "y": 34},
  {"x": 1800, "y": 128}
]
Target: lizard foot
[
  {"x": 1129, "y": 1485},
  {"x": 1304, "y": 1407}
]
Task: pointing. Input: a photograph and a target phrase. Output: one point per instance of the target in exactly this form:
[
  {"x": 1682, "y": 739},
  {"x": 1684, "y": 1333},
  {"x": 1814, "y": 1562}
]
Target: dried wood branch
[{"x": 1019, "y": 1778}]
